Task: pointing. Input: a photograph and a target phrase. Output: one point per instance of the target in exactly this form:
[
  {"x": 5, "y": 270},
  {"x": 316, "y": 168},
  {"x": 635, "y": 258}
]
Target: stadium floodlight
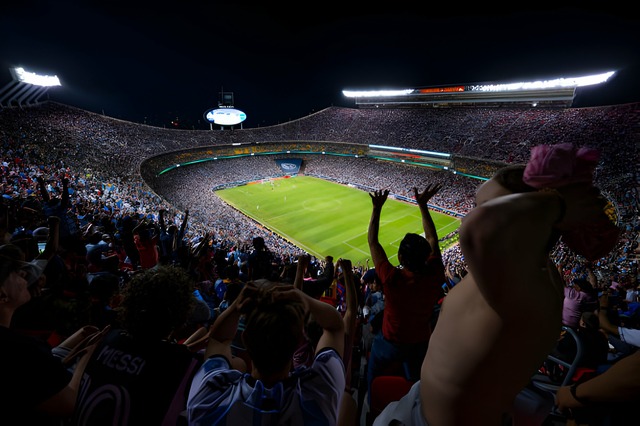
[
  {"x": 588, "y": 80},
  {"x": 558, "y": 83},
  {"x": 26, "y": 88},
  {"x": 25, "y": 76},
  {"x": 375, "y": 93}
]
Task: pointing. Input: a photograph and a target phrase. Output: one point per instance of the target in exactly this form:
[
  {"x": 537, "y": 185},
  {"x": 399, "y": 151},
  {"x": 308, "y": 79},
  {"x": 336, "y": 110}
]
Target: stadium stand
[{"x": 114, "y": 173}]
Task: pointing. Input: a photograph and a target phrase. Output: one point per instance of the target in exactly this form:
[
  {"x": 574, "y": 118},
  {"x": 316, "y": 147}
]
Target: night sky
[{"x": 148, "y": 62}]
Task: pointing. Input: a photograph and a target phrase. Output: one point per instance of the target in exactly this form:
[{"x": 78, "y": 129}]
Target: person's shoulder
[
  {"x": 326, "y": 353},
  {"x": 384, "y": 266},
  {"x": 328, "y": 357},
  {"x": 217, "y": 395},
  {"x": 630, "y": 335}
]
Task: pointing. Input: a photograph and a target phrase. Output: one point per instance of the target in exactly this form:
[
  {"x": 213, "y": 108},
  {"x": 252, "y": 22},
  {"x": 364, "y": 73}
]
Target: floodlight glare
[
  {"x": 375, "y": 93},
  {"x": 548, "y": 84},
  {"x": 571, "y": 82},
  {"x": 35, "y": 79}
]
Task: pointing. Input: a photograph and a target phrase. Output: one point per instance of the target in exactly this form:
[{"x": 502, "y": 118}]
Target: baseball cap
[{"x": 11, "y": 260}]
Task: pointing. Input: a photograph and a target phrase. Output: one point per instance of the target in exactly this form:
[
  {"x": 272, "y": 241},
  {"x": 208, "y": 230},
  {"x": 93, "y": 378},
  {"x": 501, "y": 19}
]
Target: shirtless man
[{"x": 499, "y": 323}]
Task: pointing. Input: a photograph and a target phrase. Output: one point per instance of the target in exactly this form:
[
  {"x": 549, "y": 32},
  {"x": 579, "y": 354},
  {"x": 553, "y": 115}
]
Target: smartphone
[{"x": 41, "y": 247}]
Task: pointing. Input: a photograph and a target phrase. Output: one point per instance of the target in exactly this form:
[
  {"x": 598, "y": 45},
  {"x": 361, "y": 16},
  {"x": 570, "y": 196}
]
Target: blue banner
[{"x": 290, "y": 166}]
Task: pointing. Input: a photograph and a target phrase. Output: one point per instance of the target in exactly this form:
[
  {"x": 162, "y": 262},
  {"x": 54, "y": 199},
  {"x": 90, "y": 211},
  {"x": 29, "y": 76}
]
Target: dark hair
[
  {"x": 156, "y": 302},
  {"x": 258, "y": 243},
  {"x": 273, "y": 330},
  {"x": 104, "y": 286},
  {"x": 414, "y": 250},
  {"x": 233, "y": 291},
  {"x": 584, "y": 284},
  {"x": 591, "y": 320}
]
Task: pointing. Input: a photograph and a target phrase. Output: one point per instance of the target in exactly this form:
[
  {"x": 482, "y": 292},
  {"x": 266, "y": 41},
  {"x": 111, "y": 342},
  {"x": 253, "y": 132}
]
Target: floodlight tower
[{"x": 26, "y": 88}]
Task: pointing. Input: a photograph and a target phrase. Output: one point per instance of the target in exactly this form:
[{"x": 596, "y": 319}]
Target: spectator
[
  {"x": 37, "y": 387},
  {"x": 171, "y": 238},
  {"x": 632, "y": 294},
  {"x": 146, "y": 240},
  {"x": 625, "y": 340},
  {"x": 41, "y": 312},
  {"x": 104, "y": 297},
  {"x": 139, "y": 372},
  {"x": 579, "y": 297},
  {"x": 127, "y": 225},
  {"x": 220, "y": 393},
  {"x": 233, "y": 289},
  {"x": 260, "y": 261},
  {"x": 374, "y": 300},
  {"x": 373, "y": 309},
  {"x": 411, "y": 290},
  {"x": 304, "y": 355},
  {"x": 316, "y": 287},
  {"x": 594, "y": 344},
  {"x": 348, "y": 405},
  {"x": 498, "y": 325},
  {"x": 60, "y": 208}
]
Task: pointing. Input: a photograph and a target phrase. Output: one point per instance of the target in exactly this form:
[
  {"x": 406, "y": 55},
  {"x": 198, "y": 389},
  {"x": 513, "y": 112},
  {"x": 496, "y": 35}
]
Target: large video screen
[{"x": 225, "y": 116}]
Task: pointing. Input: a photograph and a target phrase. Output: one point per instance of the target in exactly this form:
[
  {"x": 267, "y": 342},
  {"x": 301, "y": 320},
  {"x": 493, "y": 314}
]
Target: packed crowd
[{"x": 90, "y": 230}]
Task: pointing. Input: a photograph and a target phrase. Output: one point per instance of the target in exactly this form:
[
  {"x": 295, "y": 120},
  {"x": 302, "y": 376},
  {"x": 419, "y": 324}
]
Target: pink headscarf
[{"x": 555, "y": 166}]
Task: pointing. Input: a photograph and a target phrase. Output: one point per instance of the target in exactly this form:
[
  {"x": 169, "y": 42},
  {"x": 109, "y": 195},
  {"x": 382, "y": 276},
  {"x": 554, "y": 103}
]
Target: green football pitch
[{"x": 325, "y": 218}]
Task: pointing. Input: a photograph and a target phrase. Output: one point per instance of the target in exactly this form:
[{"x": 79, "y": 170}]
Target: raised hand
[
  {"x": 379, "y": 197},
  {"x": 422, "y": 198}
]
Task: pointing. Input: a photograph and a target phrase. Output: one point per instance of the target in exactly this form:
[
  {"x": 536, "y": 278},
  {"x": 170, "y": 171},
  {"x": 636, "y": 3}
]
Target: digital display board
[{"x": 225, "y": 116}]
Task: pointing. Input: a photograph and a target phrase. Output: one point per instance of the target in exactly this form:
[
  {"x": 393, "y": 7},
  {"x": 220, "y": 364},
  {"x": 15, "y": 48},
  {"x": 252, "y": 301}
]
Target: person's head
[
  {"x": 590, "y": 321},
  {"x": 273, "y": 329},
  {"x": 583, "y": 285},
  {"x": 414, "y": 252},
  {"x": 103, "y": 287},
  {"x": 156, "y": 302},
  {"x": 258, "y": 243},
  {"x": 95, "y": 238},
  {"x": 13, "y": 278},
  {"x": 370, "y": 277},
  {"x": 232, "y": 272},
  {"x": 233, "y": 290}
]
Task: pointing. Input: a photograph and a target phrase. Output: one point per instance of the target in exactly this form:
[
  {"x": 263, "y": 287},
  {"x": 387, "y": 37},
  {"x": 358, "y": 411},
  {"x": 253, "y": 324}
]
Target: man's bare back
[
  {"x": 473, "y": 377},
  {"x": 498, "y": 324}
]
